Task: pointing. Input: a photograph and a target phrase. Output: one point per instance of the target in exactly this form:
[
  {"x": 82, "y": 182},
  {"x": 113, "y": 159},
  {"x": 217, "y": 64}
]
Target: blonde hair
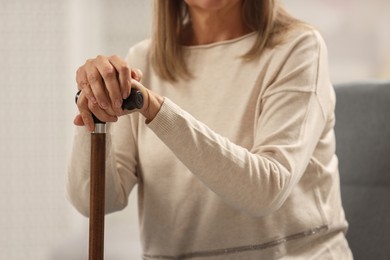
[{"x": 267, "y": 17}]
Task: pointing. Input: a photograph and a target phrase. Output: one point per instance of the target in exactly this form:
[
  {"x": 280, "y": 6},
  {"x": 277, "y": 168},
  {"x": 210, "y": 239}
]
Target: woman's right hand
[{"x": 104, "y": 83}]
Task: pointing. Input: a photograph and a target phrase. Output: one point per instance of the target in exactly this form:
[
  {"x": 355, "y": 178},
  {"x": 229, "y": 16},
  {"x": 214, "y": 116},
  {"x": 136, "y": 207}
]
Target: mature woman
[{"x": 234, "y": 150}]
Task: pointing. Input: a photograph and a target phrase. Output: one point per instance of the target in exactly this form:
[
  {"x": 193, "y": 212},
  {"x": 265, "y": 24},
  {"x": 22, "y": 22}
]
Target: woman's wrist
[{"x": 152, "y": 106}]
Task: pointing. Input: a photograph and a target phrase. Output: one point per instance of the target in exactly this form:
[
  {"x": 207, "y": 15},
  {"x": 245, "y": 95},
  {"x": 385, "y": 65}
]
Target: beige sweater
[{"x": 240, "y": 161}]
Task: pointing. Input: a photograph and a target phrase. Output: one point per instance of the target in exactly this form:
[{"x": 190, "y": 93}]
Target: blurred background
[{"x": 42, "y": 44}]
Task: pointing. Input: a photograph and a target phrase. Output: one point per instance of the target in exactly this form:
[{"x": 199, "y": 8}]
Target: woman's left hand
[{"x": 92, "y": 78}]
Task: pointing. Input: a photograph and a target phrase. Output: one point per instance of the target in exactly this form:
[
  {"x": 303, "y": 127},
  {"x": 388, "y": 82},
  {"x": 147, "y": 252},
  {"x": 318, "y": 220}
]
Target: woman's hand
[{"x": 105, "y": 82}]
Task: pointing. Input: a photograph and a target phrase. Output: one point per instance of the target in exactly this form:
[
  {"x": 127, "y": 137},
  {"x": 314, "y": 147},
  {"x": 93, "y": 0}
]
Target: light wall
[
  {"x": 356, "y": 33},
  {"x": 42, "y": 44}
]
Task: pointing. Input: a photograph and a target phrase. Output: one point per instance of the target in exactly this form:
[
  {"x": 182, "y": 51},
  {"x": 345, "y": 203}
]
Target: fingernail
[{"x": 124, "y": 95}]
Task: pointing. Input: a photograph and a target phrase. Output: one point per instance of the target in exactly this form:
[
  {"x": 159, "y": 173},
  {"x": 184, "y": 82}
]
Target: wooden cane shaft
[{"x": 96, "y": 220}]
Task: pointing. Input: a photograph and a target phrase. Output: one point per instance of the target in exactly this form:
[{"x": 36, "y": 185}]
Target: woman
[{"x": 234, "y": 150}]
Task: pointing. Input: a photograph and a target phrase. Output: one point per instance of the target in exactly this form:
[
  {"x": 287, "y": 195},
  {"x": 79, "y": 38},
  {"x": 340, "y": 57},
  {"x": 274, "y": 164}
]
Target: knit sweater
[{"x": 239, "y": 163}]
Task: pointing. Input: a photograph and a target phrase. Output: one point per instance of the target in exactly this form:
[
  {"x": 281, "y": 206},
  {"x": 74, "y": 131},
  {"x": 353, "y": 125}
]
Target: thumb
[
  {"x": 78, "y": 120},
  {"x": 136, "y": 74}
]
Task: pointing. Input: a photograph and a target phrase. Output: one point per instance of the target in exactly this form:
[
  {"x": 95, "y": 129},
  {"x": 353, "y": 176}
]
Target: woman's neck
[{"x": 209, "y": 27}]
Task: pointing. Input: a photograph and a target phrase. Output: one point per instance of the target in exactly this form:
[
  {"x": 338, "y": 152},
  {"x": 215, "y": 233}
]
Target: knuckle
[
  {"x": 108, "y": 72},
  {"x": 80, "y": 101},
  {"x": 125, "y": 70},
  {"x": 115, "y": 57},
  {"x": 100, "y": 57},
  {"x": 79, "y": 72},
  {"x": 84, "y": 86},
  {"x": 92, "y": 106},
  {"x": 92, "y": 78},
  {"x": 86, "y": 89}
]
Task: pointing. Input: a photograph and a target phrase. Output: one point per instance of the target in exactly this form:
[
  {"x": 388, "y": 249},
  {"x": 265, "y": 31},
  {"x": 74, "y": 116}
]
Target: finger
[
  {"x": 97, "y": 84},
  {"x": 85, "y": 114},
  {"x": 100, "y": 113},
  {"x": 82, "y": 84},
  {"x": 87, "y": 110},
  {"x": 87, "y": 120},
  {"x": 124, "y": 75},
  {"x": 136, "y": 74},
  {"x": 138, "y": 85},
  {"x": 78, "y": 120},
  {"x": 110, "y": 78}
]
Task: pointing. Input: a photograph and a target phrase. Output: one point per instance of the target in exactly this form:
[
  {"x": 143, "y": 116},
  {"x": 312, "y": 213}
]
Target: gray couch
[{"x": 363, "y": 147}]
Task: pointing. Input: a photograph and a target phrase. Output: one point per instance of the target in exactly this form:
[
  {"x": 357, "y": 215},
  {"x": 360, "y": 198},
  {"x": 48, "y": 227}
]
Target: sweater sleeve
[
  {"x": 293, "y": 115},
  {"x": 121, "y": 158}
]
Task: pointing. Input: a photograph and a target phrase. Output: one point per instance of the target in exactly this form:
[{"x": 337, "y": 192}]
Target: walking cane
[{"x": 97, "y": 178}]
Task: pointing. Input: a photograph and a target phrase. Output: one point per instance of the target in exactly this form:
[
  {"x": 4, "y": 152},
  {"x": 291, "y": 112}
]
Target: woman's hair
[{"x": 267, "y": 17}]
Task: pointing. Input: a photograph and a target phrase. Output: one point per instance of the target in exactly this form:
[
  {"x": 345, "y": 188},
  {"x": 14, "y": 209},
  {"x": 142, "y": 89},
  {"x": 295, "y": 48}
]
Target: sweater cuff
[{"x": 166, "y": 119}]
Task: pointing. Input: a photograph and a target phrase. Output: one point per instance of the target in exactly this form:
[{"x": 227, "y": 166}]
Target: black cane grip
[{"x": 134, "y": 101}]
